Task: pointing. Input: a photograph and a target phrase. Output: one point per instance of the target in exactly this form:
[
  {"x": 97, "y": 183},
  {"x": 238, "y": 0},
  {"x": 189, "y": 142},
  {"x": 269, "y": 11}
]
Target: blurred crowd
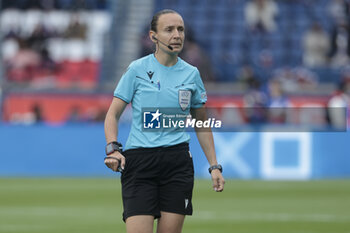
[
  {"x": 58, "y": 43},
  {"x": 55, "y": 4},
  {"x": 272, "y": 104},
  {"x": 47, "y": 44},
  {"x": 267, "y": 35},
  {"x": 321, "y": 46},
  {"x": 317, "y": 50}
]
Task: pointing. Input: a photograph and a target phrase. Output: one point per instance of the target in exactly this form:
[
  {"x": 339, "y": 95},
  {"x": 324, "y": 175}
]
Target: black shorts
[{"x": 157, "y": 179}]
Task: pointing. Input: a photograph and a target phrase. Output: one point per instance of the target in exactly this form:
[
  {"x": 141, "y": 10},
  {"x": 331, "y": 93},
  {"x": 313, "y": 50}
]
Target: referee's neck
[{"x": 166, "y": 59}]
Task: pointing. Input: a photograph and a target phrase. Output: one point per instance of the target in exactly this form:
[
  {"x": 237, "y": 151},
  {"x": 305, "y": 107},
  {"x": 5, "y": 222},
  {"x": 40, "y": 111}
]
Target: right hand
[{"x": 113, "y": 163}]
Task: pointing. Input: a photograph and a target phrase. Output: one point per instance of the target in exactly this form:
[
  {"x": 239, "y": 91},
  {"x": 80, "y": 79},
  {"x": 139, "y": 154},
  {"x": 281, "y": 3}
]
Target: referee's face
[{"x": 171, "y": 30}]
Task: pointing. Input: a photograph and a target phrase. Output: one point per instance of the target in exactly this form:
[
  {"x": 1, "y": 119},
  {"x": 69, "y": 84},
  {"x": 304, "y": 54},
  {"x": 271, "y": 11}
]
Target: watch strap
[
  {"x": 113, "y": 146},
  {"x": 217, "y": 166}
]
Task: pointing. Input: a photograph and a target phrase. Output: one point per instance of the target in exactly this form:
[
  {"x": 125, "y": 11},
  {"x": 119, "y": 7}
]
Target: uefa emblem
[{"x": 184, "y": 99}]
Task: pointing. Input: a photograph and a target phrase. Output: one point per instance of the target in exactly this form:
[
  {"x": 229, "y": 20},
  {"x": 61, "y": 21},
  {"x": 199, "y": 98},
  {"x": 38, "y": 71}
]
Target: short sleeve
[
  {"x": 126, "y": 86},
  {"x": 199, "y": 96}
]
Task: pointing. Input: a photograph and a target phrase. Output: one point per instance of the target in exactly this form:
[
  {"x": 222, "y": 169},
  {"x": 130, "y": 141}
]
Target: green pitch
[{"x": 94, "y": 206}]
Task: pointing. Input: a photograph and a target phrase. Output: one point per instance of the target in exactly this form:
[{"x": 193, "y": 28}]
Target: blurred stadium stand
[
  {"x": 64, "y": 74},
  {"x": 105, "y": 37},
  {"x": 219, "y": 26},
  {"x": 73, "y": 40}
]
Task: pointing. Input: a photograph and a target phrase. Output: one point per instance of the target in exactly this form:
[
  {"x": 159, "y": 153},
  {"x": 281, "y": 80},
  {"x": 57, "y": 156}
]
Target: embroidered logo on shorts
[
  {"x": 186, "y": 203},
  {"x": 184, "y": 99}
]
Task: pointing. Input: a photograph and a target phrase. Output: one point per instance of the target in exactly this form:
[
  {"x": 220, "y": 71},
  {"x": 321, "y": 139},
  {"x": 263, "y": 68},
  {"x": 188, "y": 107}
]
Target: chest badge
[{"x": 184, "y": 99}]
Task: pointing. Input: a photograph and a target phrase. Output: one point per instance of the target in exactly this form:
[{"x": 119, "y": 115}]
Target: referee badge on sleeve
[{"x": 184, "y": 99}]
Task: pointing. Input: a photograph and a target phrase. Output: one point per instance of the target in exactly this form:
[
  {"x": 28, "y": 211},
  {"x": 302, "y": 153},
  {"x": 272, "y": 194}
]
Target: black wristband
[
  {"x": 113, "y": 146},
  {"x": 218, "y": 166}
]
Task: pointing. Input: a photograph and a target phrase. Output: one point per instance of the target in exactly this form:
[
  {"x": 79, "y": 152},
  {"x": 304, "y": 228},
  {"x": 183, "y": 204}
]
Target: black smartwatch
[
  {"x": 218, "y": 166},
  {"x": 113, "y": 146}
]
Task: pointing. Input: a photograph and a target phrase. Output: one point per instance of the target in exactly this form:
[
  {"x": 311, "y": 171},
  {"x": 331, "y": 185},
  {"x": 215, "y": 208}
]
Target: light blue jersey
[{"x": 149, "y": 84}]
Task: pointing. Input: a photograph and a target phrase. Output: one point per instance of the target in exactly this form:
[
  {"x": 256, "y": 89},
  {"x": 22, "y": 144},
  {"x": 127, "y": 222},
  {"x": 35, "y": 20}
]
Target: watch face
[
  {"x": 109, "y": 149},
  {"x": 113, "y": 146},
  {"x": 220, "y": 168}
]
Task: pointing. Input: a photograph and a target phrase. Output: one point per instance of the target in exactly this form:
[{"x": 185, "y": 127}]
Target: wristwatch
[
  {"x": 113, "y": 146},
  {"x": 218, "y": 166}
]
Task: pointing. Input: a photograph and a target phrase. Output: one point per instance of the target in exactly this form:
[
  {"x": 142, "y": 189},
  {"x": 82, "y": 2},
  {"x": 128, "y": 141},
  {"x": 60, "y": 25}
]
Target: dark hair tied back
[{"x": 155, "y": 18}]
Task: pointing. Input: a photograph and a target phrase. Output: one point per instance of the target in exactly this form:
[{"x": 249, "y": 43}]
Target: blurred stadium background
[{"x": 61, "y": 60}]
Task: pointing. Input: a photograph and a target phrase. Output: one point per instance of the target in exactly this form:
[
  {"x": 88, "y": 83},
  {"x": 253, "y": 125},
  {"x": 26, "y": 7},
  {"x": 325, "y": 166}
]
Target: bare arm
[
  {"x": 206, "y": 140},
  {"x": 111, "y": 131}
]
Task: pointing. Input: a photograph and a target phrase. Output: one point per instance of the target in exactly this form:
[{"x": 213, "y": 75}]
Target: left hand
[
  {"x": 115, "y": 161},
  {"x": 218, "y": 180}
]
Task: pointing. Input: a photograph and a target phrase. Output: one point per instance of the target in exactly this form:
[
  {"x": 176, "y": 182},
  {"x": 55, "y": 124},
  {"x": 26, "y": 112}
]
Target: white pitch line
[
  {"x": 36, "y": 211},
  {"x": 216, "y": 216},
  {"x": 21, "y": 227},
  {"x": 267, "y": 217}
]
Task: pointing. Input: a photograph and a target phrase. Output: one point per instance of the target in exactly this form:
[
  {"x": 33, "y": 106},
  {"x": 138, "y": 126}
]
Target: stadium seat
[
  {"x": 10, "y": 20},
  {"x": 56, "y": 50},
  {"x": 9, "y": 48},
  {"x": 29, "y": 20},
  {"x": 75, "y": 50},
  {"x": 99, "y": 22},
  {"x": 57, "y": 20},
  {"x": 81, "y": 74}
]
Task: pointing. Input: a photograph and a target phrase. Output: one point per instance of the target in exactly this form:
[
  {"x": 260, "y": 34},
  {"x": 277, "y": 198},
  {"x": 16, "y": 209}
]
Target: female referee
[{"x": 157, "y": 168}]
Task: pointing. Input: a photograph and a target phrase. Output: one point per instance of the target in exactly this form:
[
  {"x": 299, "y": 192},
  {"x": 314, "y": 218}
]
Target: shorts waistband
[{"x": 181, "y": 146}]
